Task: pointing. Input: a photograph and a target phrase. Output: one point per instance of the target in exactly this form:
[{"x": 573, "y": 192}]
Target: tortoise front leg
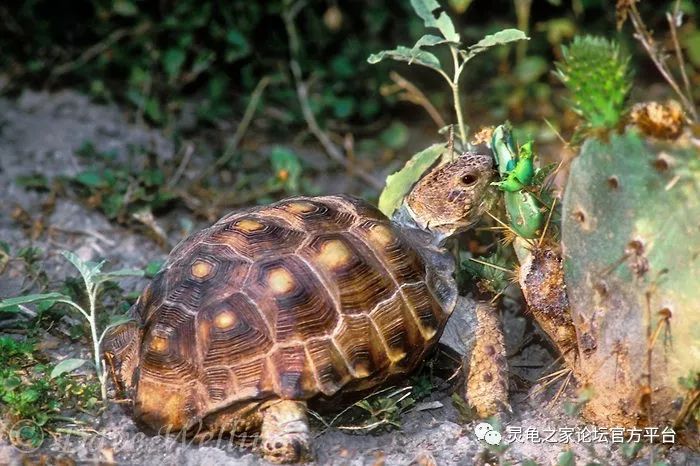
[
  {"x": 474, "y": 330},
  {"x": 284, "y": 433}
]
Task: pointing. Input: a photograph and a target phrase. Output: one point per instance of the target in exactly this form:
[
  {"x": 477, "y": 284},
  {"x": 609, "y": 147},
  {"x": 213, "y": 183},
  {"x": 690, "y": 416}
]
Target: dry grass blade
[{"x": 550, "y": 379}]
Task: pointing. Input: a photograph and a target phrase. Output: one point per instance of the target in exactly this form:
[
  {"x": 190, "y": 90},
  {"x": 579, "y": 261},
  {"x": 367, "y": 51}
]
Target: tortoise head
[{"x": 452, "y": 197}]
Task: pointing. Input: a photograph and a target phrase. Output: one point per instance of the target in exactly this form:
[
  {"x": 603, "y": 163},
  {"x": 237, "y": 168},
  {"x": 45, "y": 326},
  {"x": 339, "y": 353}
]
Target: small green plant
[
  {"x": 120, "y": 192},
  {"x": 29, "y": 391},
  {"x": 93, "y": 280},
  {"x": 450, "y": 38},
  {"x": 398, "y": 184},
  {"x": 598, "y": 76}
]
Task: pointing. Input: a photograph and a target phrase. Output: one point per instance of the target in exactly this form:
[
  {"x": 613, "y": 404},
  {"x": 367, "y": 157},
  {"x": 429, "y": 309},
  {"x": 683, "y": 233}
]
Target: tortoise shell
[{"x": 292, "y": 300}]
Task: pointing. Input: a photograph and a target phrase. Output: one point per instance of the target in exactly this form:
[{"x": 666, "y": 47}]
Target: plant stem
[
  {"x": 454, "y": 84},
  {"x": 92, "y": 296}
]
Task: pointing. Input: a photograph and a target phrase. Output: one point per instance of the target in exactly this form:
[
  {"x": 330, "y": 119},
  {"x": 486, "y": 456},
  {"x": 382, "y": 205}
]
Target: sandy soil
[{"x": 40, "y": 133}]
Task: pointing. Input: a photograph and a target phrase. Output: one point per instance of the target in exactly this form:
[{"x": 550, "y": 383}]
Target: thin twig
[
  {"x": 97, "y": 49},
  {"x": 188, "y": 150},
  {"x": 333, "y": 151},
  {"x": 549, "y": 218},
  {"x": 488, "y": 264},
  {"x": 646, "y": 39},
  {"x": 248, "y": 115},
  {"x": 414, "y": 95},
  {"x": 677, "y": 47}
]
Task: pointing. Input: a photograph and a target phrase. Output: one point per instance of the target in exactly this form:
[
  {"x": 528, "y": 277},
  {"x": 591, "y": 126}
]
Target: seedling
[
  {"x": 398, "y": 185},
  {"x": 93, "y": 279}
]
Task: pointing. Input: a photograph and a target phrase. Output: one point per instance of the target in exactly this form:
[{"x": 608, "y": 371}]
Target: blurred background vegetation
[
  {"x": 189, "y": 66},
  {"x": 156, "y": 54}
]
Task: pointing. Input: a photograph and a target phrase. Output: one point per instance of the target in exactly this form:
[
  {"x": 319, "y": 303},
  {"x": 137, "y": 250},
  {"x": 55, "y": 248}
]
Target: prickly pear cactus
[
  {"x": 631, "y": 246},
  {"x": 597, "y": 75}
]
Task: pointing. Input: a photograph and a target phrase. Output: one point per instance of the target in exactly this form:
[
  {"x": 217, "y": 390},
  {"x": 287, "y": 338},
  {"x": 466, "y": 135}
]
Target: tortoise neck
[{"x": 417, "y": 231}]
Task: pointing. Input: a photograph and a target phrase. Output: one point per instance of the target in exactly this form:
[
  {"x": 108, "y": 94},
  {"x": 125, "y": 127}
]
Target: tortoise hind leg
[
  {"x": 121, "y": 348},
  {"x": 474, "y": 331},
  {"x": 284, "y": 434}
]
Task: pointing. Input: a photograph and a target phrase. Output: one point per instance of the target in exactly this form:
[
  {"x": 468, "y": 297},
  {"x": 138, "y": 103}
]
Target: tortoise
[{"x": 276, "y": 306}]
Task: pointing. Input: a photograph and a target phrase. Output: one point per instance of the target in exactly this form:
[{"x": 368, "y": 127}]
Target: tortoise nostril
[{"x": 469, "y": 179}]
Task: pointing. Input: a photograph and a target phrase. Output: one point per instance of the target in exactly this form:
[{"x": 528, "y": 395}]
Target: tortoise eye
[{"x": 469, "y": 179}]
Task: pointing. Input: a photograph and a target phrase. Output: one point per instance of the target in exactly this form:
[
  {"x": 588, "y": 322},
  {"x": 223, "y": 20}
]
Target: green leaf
[
  {"x": 566, "y": 458},
  {"x": 400, "y": 183},
  {"x": 31, "y": 298},
  {"x": 88, "y": 270},
  {"x": 287, "y": 167},
  {"x": 239, "y": 46},
  {"x": 691, "y": 44},
  {"x": 33, "y": 181},
  {"x": 153, "y": 110},
  {"x": 430, "y": 40},
  {"x": 92, "y": 179},
  {"x": 65, "y": 366},
  {"x": 342, "y": 107},
  {"x": 117, "y": 274},
  {"x": 173, "y": 59},
  {"x": 152, "y": 268},
  {"x": 402, "y": 53},
  {"x": 501, "y": 37},
  {"x": 125, "y": 8},
  {"x": 631, "y": 449},
  {"x": 425, "y": 9},
  {"x": 119, "y": 320}
]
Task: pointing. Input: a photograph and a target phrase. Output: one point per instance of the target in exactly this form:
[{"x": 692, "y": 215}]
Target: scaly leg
[
  {"x": 474, "y": 331},
  {"x": 284, "y": 433}
]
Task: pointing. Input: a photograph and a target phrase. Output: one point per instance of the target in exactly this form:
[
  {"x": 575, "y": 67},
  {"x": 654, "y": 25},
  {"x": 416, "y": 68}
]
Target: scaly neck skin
[{"x": 417, "y": 232}]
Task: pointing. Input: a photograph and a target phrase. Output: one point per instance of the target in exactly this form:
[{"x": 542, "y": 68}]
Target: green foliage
[
  {"x": 574, "y": 407},
  {"x": 597, "y": 74},
  {"x": 384, "y": 409},
  {"x": 287, "y": 169},
  {"x": 156, "y": 55},
  {"x": 566, "y": 458},
  {"x": 492, "y": 273},
  {"x": 119, "y": 190},
  {"x": 28, "y": 392},
  {"x": 449, "y": 37},
  {"x": 94, "y": 280}
]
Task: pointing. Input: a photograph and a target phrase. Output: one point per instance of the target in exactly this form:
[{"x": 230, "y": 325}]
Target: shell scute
[
  {"x": 293, "y": 300},
  {"x": 360, "y": 280}
]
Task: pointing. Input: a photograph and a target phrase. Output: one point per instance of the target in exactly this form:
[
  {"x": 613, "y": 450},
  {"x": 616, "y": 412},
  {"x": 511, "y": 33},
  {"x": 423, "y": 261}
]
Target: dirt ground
[{"x": 40, "y": 133}]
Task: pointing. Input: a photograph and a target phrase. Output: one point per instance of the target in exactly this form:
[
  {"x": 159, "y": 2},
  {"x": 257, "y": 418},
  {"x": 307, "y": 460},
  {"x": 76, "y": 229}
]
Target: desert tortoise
[{"x": 277, "y": 305}]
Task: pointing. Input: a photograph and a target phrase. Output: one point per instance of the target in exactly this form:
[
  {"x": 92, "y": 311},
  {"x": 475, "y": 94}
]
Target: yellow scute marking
[
  {"x": 334, "y": 254},
  {"x": 396, "y": 356},
  {"x": 225, "y": 319},
  {"x": 249, "y": 225},
  {"x": 280, "y": 281},
  {"x": 382, "y": 235},
  {"x": 361, "y": 371},
  {"x": 201, "y": 269},
  {"x": 159, "y": 344},
  {"x": 299, "y": 207}
]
